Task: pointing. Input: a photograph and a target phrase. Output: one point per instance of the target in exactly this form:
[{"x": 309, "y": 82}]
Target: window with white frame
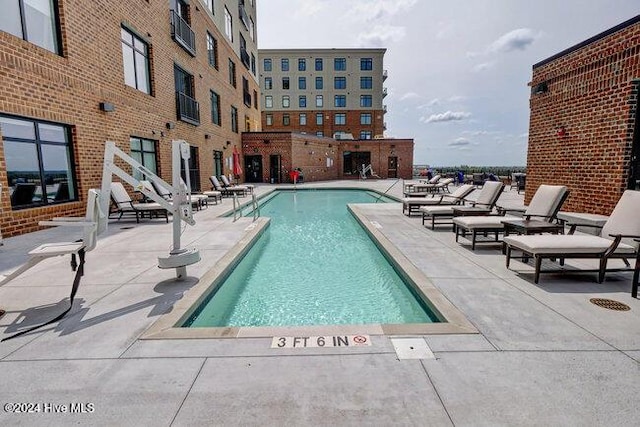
[
  {"x": 286, "y": 101},
  {"x": 303, "y": 119},
  {"x": 268, "y": 101},
  {"x": 319, "y": 101},
  {"x": 365, "y": 118},
  {"x": 228, "y": 24},
  {"x": 340, "y": 119},
  {"x": 319, "y": 118}
]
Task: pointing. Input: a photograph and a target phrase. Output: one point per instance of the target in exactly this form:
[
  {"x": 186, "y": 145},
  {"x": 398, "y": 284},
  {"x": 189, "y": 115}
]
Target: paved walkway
[{"x": 544, "y": 355}]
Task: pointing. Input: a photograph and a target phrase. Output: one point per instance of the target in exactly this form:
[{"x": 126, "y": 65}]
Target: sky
[{"x": 458, "y": 69}]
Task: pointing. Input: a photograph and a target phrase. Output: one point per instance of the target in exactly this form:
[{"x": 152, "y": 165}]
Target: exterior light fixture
[
  {"x": 170, "y": 125},
  {"x": 107, "y": 107}
]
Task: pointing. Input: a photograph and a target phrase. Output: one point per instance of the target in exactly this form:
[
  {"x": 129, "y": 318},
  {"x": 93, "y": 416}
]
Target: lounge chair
[
  {"x": 545, "y": 204},
  {"x": 23, "y": 194},
  {"x": 484, "y": 204},
  {"x": 230, "y": 191},
  {"x": 412, "y": 204},
  {"x": 125, "y": 205},
  {"x": 618, "y": 238},
  {"x": 197, "y": 200},
  {"x": 227, "y": 184},
  {"x": 93, "y": 224},
  {"x": 420, "y": 190}
]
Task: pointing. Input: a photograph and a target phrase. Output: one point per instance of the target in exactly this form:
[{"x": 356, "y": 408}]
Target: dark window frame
[
  {"x": 212, "y": 51},
  {"x": 146, "y": 55},
  {"x": 57, "y": 31},
  {"x": 216, "y": 113}
]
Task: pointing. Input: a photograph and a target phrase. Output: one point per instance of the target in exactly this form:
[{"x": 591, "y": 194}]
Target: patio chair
[
  {"x": 226, "y": 191},
  {"x": 421, "y": 190},
  {"x": 619, "y": 238},
  {"x": 93, "y": 224},
  {"x": 412, "y": 204},
  {"x": 484, "y": 204},
  {"x": 125, "y": 205},
  {"x": 23, "y": 194},
  {"x": 545, "y": 204},
  {"x": 197, "y": 200},
  {"x": 227, "y": 184}
]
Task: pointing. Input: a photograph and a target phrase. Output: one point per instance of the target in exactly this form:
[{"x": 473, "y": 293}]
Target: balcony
[
  {"x": 244, "y": 18},
  {"x": 384, "y": 92},
  {"x": 244, "y": 57},
  {"x": 188, "y": 109},
  {"x": 384, "y": 125},
  {"x": 385, "y": 74},
  {"x": 384, "y": 108},
  {"x": 182, "y": 33}
]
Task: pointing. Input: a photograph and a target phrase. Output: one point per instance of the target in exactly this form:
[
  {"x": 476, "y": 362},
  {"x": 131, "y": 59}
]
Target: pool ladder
[{"x": 237, "y": 211}]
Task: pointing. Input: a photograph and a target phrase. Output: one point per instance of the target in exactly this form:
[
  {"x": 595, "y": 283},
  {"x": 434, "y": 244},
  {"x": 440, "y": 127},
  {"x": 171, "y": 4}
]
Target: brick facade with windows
[
  {"x": 322, "y": 158},
  {"x": 68, "y": 89},
  {"x": 584, "y": 129}
]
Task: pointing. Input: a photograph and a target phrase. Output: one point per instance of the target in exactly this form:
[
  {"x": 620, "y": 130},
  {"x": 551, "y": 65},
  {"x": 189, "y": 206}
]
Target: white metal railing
[
  {"x": 236, "y": 207},
  {"x": 255, "y": 206}
]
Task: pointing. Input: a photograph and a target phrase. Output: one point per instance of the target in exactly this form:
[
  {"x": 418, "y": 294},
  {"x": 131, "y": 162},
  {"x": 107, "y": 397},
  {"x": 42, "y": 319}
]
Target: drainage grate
[{"x": 610, "y": 304}]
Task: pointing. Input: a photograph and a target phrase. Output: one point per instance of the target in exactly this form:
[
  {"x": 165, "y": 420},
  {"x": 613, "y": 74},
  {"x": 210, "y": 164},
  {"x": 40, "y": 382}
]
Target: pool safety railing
[
  {"x": 255, "y": 206},
  {"x": 237, "y": 210},
  {"x": 236, "y": 207}
]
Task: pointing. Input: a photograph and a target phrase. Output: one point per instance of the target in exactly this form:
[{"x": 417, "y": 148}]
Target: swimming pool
[{"x": 314, "y": 265}]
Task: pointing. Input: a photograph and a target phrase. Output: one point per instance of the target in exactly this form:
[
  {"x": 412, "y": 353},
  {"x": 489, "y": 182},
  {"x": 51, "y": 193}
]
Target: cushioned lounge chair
[
  {"x": 419, "y": 190},
  {"x": 619, "y": 238},
  {"x": 124, "y": 204},
  {"x": 227, "y": 191},
  {"x": 227, "y": 183},
  {"x": 23, "y": 194},
  {"x": 411, "y": 204},
  {"x": 545, "y": 204},
  {"x": 486, "y": 201},
  {"x": 198, "y": 201}
]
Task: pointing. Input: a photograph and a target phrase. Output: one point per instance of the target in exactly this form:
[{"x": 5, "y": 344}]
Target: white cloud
[
  {"x": 456, "y": 98},
  {"x": 309, "y": 8},
  {"x": 444, "y": 30},
  {"x": 518, "y": 39},
  {"x": 381, "y": 35},
  {"x": 446, "y": 117},
  {"x": 409, "y": 95},
  {"x": 460, "y": 142},
  {"x": 482, "y": 67},
  {"x": 374, "y": 10}
]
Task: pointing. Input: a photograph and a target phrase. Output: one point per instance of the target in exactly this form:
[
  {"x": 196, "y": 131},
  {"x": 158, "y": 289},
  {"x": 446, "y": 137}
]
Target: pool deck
[{"x": 543, "y": 354}]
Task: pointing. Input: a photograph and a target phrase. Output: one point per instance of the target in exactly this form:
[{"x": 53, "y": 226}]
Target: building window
[
  {"x": 319, "y": 133},
  {"x": 302, "y": 101},
  {"x": 234, "y": 119},
  {"x": 303, "y": 119},
  {"x": 339, "y": 82},
  {"x": 340, "y": 101},
  {"x": 365, "y": 101},
  {"x": 285, "y": 83},
  {"x": 366, "y": 64},
  {"x": 212, "y": 50},
  {"x": 268, "y": 101},
  {"x": 215, "y": 108},
  {"x": 246, "y": 94},
  {"x": 255, "y": 99},
  {"x": 286, "y": 120},
  {"x": 365, "y": 118},
  {"x": 39, "y": 162},
  {"x": 340, "y": 64},
  {"x": 181, "y": 31},
  {"x": 135, "y": 57},
  {"x": 366, "y": 82},
  {"x": 232, "y": 73},
  {"x": 318, "y": 64},
  {"x": 210, "y": 6},
  {"x": 33, "y": 21},
  {"x": 286, "y": 101},
  {"x": 302, "y": 64},
  {"x": 244, "y": 55},
  {"x": 365, "y": 134},
  {"x": 145, "y": 152},
  {"x": 228, "y": 24},
  {"x": 340, "y": 119},
  {"x": 252, "y": 29},
  {"x": 319, "y": 83},
  {"x": 253, "y": 64},
  {"x": 319, "y": 101},
  {"x": 268, "y": 83},
  {"x": 269, "y": 119},
  {"x": 284, "y": 64},
  {"x": 266, "y": 64},
  {"x": 319, "y": 118},
  {"x": 302, "y": 83},
  {"x": 188, "y": 108}
]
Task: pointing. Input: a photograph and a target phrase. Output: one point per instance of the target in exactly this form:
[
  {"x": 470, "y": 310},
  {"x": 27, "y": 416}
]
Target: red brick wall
[
  {"x": 67, "y": 89},
  {"x": 310, "y": 154},
  {"x": 592, "y": 97}
]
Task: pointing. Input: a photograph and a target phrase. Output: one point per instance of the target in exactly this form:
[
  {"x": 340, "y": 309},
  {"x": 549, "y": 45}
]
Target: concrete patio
[{"x": 543, "y": 354}]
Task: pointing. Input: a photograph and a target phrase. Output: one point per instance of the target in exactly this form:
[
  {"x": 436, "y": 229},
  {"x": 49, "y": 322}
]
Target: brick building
[
  {"x": 140, "y": 73},
  {"x": 324, "y": 92},
  {"x": 584, "y": 127},
  {"x": 270, "y": 156}
]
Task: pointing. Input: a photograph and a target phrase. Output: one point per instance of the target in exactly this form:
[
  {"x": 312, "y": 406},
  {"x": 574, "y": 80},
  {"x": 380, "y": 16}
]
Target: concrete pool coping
[{"x": 452, "y": 321}]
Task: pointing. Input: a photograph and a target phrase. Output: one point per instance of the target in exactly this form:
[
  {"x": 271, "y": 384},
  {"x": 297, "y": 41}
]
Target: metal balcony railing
[
  {"x": 384, "y": 108},
  {"x": 183, "y": 34},
  {"x": 385, "y": 74},
  {"x": 384, "y": 92},
  {"x": 244, "y": 18},
  {"x": 188, "y": 109}
]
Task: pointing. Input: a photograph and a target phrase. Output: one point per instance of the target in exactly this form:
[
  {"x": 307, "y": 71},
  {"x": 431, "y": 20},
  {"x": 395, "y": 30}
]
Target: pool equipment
[{"x": 179, "y": 206}]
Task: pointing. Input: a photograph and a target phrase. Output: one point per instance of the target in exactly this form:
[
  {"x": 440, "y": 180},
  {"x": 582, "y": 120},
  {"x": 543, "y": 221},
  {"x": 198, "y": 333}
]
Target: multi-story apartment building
[
  {"x": 140, "y": 73},
  {"x": 325, "y": 92}
]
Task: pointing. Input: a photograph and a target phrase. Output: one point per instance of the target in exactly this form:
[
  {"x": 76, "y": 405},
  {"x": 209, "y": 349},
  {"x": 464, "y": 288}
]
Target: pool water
[{"x": 314, "y": 265}]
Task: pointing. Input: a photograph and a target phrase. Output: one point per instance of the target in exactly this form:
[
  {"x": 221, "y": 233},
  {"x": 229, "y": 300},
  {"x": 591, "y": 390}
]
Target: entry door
[
  {"x": 274, "y": 169},
  {"x": 392, "y": 170},
  {"x": 634, "y": 167},
  {"x": 253, "y": 168}
]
